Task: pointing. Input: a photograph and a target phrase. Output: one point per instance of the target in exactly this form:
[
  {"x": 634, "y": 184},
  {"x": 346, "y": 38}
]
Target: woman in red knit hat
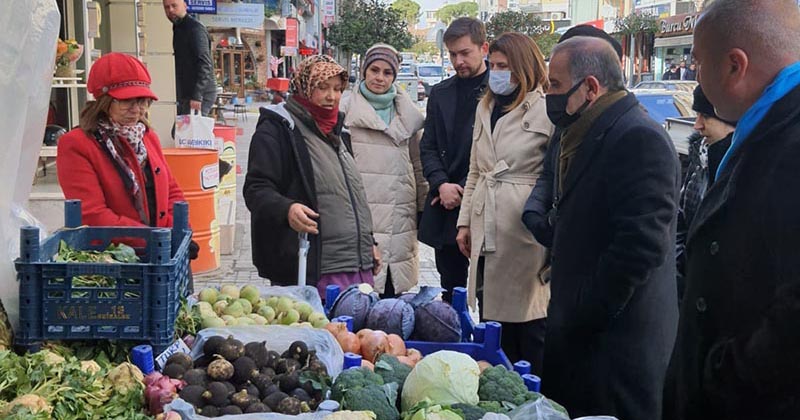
[{"x": 113, "y": 161}]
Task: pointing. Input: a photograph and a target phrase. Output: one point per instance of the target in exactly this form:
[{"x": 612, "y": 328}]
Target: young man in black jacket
[
  {"x": 446, "y": 144},
  {"x": 195, "y": 86}
]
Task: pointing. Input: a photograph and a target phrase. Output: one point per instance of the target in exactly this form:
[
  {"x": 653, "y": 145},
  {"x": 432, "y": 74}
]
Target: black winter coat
[
  {"x": 438, "y": 225},
  {"x": 279, "y": 174},
  {"x": 738, "y": 344},
  {"x": 194, "y": 69},
  {"x": 613, "y": 309}
]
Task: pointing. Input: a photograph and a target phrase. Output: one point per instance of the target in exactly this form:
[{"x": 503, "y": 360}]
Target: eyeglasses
[{"x": 126, "y": 104}]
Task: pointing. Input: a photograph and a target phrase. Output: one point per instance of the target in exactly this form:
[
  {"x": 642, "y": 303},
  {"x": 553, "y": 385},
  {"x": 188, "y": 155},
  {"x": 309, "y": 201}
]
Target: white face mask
[{"x": 500, "y": 82}]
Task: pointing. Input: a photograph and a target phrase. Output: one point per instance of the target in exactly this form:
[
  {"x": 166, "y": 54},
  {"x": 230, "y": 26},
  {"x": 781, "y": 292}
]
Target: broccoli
[
  {"x": 351, "y": 379},
  {"x": 391, "y": 370},
  {"x": 468, "y": 412},
  {"x": 492, "y": 407},
  {"x": 370, "y": 398},
  {"x": 500, "y": 384}
]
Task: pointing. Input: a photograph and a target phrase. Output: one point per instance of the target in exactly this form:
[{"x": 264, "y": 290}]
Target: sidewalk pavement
[{"x": 237, "y": 268}]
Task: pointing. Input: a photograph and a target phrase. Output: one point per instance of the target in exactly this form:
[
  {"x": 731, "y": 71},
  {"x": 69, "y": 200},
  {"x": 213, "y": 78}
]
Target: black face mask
[{"x": 557, "y": 107}]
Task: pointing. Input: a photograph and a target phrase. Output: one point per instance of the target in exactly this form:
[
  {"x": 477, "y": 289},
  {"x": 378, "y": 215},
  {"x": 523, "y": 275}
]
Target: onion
[
  {"x": 373, "y": 345},
  {"x": 363, "y": 332},
  {"x": 414, "y": 355},
  {"x": 189, "y": 340},
  {"x": 336, "y": 328},
  {"x": 406, "y": 361},
  {"x": 397, "y": 347},
  {"x": 152, "y": 377},
  {"x": 367, "y": 364},
  {"x": 350, "y": 343}
]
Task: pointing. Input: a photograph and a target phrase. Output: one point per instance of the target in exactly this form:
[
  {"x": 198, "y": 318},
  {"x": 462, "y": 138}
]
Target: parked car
[
  {"x": 410, "y": 83},
  {"x": 430, "y": 74},
  {"x": 662, "y": 104},
  {"x": 681, "y": 85}
]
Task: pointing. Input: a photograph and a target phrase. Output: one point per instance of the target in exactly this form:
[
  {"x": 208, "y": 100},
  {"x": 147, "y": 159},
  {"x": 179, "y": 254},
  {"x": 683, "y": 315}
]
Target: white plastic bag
[
  {"x": 196, "y": 131},
  {"x": 306, "y": 294},
  {"x": 186, "y": 411},
  {"x": 25, "y": 81},
  {"x": 541, "y": 409},
  {"x": 278, "y": 338}
]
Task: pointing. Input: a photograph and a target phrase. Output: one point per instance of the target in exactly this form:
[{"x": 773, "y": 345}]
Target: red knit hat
[{"x": 121, "y": 76}]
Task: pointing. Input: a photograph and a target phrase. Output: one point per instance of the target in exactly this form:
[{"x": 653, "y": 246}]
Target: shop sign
[
  {"x": 201, "y": 6},
  {"x": 677, "y": 25},
  {"x": 328, "y": 12},
  {"x": 236, "y": 15},
  {"x": 291, "y": 32},
  {"x": 288, "y": 51}
]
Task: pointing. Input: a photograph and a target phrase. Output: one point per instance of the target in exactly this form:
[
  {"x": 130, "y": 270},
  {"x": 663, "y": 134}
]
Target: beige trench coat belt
[{"x": 485, "y": 201}]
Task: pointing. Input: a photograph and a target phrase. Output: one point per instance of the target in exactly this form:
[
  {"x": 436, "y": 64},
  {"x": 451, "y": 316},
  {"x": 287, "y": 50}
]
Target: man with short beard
[{"x": 445, "y": 147}]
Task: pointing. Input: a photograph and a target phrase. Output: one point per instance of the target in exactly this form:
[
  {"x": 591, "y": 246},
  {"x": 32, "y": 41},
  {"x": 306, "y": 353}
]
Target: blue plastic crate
[{"x": 141, "y": 305}]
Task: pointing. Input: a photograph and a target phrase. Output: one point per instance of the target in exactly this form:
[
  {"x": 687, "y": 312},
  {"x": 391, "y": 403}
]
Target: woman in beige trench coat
[
  {"x": 385, "y": 130},
  {"x": 509, "y": 143}
]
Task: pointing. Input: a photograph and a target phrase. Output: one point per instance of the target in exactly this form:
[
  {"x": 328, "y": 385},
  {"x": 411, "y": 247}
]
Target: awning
[{"x": 673, "y": 41}]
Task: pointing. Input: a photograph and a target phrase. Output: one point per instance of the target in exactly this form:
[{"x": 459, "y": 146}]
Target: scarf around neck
[
  {"x": 383, "y": 103},
  {"x": 325, "y": 118},
  {"x": 785, "y": 82},
  {"x": 572, "y": 137},
  {"x": 108, "y": 134}
]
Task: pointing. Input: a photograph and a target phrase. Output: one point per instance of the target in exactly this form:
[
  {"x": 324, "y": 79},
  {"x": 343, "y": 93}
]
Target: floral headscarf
[{"x": 314, "y": 70}]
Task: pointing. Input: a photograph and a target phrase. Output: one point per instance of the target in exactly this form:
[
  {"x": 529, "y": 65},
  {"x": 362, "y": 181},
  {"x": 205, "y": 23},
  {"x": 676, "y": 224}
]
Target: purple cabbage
[
  {"x": 437, "y": 321},
  {"x": 355, "y": 303},
  {"x": 393, "y": 316}
]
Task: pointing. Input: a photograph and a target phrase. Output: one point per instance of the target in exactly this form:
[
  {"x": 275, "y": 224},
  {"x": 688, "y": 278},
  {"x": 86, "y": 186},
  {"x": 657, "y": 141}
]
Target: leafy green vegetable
[
  {"x": 189, "y": 320},
  {"x": 445, "y": 377},
  {"x": 73, "y": 392},
  {"x": 114, "y": 253},
  {"x": 391, "y": 370}
]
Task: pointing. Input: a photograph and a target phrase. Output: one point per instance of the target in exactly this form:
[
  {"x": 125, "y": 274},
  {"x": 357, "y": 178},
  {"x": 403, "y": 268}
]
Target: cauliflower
[
  {"x": 351, "y": 415},
  {"x": 33, "y": 402}
]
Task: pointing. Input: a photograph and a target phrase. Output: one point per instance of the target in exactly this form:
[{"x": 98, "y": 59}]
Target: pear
[
  {"x": 284, "y": 305},
  {"x": 258, "y": 319},
  {"x": 272, "y": 301},
  {"x": 246, "y": 305},
  {"x": 220, "y": 306},
  {"x": 243, "y": 320},
  {"x": 304, "y": 309},
  {"x": 209, "y": 294},
  {"x": 230, "y": 290},
  {"x": 290, "y": 317},
  {"x": 202, "y": 306},
  {"x": 318, "y": 319},
  {"x": 267, "y": 312},
  {"x": 213, "y": 322},
  {"x": 250, "y": 293},
  {"x": 234, "y": 309}
]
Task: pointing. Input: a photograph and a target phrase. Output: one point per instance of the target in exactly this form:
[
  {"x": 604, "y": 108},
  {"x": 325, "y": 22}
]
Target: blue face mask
[{"x": 500, "y": 82}]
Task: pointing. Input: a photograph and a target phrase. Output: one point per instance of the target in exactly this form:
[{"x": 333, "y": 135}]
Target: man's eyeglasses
[{"x": 126, "y": 104}]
